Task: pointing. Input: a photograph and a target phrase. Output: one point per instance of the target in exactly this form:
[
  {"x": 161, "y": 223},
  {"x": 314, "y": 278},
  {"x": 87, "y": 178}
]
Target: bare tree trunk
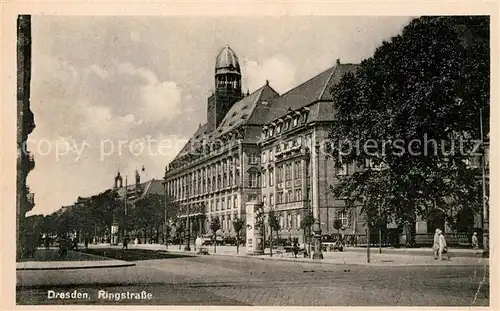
[
  {"x": 271, "y": 240},
  {"x": 237, "y": 243}
]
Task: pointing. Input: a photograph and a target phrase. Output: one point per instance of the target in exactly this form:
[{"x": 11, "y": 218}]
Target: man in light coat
[
  {"x": 475, "y": 241},
  {"x": 443, "y": 249},
  {"x": 435, "y": 246}
]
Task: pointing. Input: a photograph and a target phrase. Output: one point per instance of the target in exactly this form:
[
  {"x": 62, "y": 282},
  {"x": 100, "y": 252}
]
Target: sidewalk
[
  {"x": 76, "y": 261},
  {"x": 348, "y": 257}
]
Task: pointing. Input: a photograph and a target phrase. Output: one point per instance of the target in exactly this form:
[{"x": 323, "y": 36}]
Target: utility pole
[
  {"x": 368, "y": 244},
  {"x": 125, "y": 209},
  {"x": 379, "y": 232},
  {"x": 485, "y": 214},
  {"x": 165, "y": 216}
]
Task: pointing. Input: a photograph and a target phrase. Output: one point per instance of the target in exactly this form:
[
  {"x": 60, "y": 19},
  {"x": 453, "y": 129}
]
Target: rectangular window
[
  {"x": 298, "y": 170},
  {"x": 271, "y": 199},
  {"x": 289, "y": 220},
  {"x": 271, "y": 177},
  {"x": 223, "y": 205},
  {"x": 264, "y": 179},
  {"x": 253, "y": 158},
  {"x": 288, "y": 171},
  {"x": 343, "y": 216},
  {"x": 298, "y": 195},
  {"x": 280, "y": 197},
  {"x": 289, "y": 196},
  {"x": 297, "y": 220},
  {"x": 217, "y": 205},
  {"x": 264, "y": 200},
  {"x": 235, "y": 205},
  {"x": 342, "y": 169},
  {"x": 263, "y": 157},
  {"x": 254, "y": 180},
  {"x": 271, "y": 155}
]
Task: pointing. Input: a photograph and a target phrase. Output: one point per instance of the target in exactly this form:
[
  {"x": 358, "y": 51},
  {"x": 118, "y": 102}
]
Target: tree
[
  {"x": 147, "y": 214},
  {"x": 215, "y": 226},
  {"x": 425, "y": 85},
  {"x": 274, "y": 224},
  {"x": 238, "y": 224},
  {"x": 104, "y": 206},
  {"x": 305, "y": 224}
]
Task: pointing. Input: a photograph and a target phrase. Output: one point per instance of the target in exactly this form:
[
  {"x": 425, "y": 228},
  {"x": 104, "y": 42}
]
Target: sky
[{"x": 122, "y": 93}]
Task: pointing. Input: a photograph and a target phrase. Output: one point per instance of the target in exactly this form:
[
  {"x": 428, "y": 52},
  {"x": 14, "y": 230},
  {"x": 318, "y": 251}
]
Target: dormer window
[
  {"x": 295, "y": 121},
  {"x": 287, "y": 125},
  {"x": 271, "y": 131},
  {"x": 278, "y": 129},
  {"x": 304, "y": 117}
]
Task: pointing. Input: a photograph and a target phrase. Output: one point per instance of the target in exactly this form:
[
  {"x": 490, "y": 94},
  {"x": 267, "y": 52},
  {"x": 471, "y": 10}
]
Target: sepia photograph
[{"x": 253, "y": 160}]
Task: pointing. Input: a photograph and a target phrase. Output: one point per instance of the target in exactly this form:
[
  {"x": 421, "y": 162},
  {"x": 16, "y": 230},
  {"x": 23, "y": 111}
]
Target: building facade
[
  {"x": 265, "y": 147},
  {"x": 218, "y": 170},
  {"x": 25, "y": 125},
  {"x": 296, "y": 171}
]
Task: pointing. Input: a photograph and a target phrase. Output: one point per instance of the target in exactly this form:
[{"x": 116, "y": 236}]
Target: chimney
[{"x": 338, "y": 61}]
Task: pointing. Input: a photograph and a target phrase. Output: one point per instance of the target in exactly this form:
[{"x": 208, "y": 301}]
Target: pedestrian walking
[
  {"x": 443, "y": 248},
  {"x": 125, "y": 243},
  {"x": 47, "y": 242},
  {"x": 435, "y": 245},
  {"x": 197, "y": 244},
  {"x": 136, "y": 242},
  {"x": 295, "y": 248},
  {"x": 86, "y": 242},
  {"x": 475, "y": 241},
  {"x": 63, "y": 247}
]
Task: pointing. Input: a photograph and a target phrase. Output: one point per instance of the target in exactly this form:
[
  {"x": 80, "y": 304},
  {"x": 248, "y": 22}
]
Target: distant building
[{"x": 137, "y": 190}]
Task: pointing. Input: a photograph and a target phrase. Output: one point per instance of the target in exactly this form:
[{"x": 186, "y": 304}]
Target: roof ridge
[
  {"x": 308, "y": 80},
  {"x": 328, "y": 80}
]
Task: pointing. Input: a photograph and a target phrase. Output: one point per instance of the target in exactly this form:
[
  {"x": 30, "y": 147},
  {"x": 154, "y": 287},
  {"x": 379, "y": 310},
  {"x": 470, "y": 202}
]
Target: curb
[
  {"x": 420, "y": 252},
  {"x": 322, "y": 261},
  {"x": 117, "y": 265}
]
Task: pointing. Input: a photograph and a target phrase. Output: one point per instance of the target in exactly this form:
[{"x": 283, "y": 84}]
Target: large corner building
[{"x": 260, "y": 146}]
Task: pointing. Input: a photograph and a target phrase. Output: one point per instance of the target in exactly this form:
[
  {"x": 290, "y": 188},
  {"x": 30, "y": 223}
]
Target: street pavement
[{"x": 239, "y": 280}]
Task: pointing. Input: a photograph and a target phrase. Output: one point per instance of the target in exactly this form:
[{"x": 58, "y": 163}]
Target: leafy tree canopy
[{"x": 413, "y": 110}]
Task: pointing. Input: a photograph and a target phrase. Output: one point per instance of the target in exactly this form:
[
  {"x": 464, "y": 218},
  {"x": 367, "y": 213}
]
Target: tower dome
[{"x": 227, "y": 62}]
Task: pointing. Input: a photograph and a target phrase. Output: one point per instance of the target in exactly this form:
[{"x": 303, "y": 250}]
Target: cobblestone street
[{"x": 217, "y": 280}]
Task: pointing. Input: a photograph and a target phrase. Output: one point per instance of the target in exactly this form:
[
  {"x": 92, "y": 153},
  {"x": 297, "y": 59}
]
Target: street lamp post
[
  {"x": 485, "y": 213},
  {"x": 165, "y": 215}
]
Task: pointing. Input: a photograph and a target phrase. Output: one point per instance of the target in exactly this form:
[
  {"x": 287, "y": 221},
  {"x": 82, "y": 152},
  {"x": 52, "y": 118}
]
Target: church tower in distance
[{"x": 227, "y": 87}]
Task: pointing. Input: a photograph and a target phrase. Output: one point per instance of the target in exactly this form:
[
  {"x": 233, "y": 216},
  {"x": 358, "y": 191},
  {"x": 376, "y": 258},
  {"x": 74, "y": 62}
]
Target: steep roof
[
  {"x": 153, "y": 186},
  {"x": 248, "y": 110},
  {"x": 315, "y": 89},
  {"x": 189, "y": 146},
  {"x": 251, "y": 109}
]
